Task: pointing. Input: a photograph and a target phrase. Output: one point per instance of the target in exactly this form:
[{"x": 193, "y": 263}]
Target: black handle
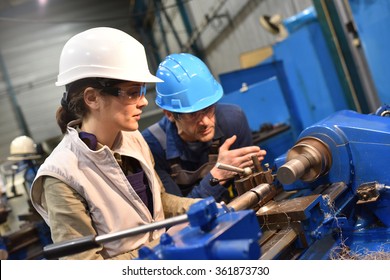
[
  {"x": 214, "y": 181},
  {"x": 61, "y": 249}
]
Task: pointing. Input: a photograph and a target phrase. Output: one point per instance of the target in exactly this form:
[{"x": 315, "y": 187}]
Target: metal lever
[
  {"x": 244, "y": 171},
  {"x": 57, "y": 250},
  {"x": 200, "y": 214}
]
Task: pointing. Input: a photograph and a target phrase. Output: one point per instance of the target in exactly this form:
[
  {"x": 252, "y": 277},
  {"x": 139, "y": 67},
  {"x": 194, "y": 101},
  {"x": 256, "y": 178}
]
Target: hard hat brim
[
  {"x": 23, "y": 157},
  {"x": 189, "y": 108},
  {"x": 66, "y": 78}
]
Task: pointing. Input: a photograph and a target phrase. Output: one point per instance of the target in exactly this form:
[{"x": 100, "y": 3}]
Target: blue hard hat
[{"x": 188, "y": 84}]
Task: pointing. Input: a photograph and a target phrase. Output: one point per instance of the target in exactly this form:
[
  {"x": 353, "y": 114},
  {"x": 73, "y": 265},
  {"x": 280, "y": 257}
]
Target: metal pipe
[
  {"x": 14, "y": 102},
  {"x": 159, "y": 7},
  {"x": 169, "y": 21}
]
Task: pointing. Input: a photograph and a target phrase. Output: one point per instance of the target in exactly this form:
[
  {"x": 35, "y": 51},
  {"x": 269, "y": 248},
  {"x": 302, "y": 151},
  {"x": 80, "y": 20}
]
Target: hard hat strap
[{"x": 64, "y": 101}]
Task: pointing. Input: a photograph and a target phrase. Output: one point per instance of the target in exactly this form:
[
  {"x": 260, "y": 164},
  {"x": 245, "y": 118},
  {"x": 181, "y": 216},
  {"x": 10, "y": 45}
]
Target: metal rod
[
  {"x": 57, "y": 250},
  {"x": 70, "y": 247},
  {"x": 256, "y": 163},
  {"x": 229, "y": 167},
  {"x": 142, "y": 229}
]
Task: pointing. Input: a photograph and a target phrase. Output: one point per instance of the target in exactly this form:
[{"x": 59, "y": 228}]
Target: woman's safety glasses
[{"x": 131, "y": 94}]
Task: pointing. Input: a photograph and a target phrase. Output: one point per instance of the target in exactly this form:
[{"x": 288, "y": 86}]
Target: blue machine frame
[
  {"x": 297, "y": 86},
  {"x": 371, "y": 18},
  {"x": 213, "y": 233},
  {"x": 358, "y": 145}
]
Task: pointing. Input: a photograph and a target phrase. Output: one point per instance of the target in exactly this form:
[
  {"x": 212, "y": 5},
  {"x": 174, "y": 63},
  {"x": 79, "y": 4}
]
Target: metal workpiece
[
  {"x": 253, "y": 197},
  {"x": 293, "y": 169},
  {"x": 307, "y": 160}
]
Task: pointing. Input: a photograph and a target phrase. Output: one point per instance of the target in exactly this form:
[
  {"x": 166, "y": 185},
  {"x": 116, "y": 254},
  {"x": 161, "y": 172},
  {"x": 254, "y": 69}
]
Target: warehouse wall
[
  {"x": 227, "y": 28},
  {"x": 31, "y": 40},
  {"x": 32, "y": 36}
]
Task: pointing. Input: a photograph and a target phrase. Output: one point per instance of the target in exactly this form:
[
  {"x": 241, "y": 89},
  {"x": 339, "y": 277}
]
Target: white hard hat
[
  {"x": 103, "y": 52},
  {"x": 23, "y": 147},
  {"x": 274, "y": 24}
]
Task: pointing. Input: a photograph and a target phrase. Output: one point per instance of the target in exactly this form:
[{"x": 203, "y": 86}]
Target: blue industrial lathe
[
  {"x": 339, "y": 169},
  {"x": 327, "y": 198}
]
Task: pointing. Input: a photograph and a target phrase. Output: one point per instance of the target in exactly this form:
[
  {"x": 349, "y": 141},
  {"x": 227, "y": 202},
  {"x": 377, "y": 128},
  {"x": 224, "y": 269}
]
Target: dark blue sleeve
[
  {"x": 201, "y": 190},
  {"x": 162, "y": 167},
  {"x": 204, "y": 189}
]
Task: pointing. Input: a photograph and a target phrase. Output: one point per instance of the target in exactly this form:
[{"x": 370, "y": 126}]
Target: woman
[{"x": 100, "y": 178}]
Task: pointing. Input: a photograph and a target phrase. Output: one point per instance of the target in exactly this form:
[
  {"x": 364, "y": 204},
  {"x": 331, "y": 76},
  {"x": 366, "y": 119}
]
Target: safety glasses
[
  {"x": 131, "y": 94},
  {"x": 196, "y": 116}
]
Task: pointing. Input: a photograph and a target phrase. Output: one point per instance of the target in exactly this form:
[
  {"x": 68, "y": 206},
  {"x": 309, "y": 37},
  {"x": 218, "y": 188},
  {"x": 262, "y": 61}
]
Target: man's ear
[
  {"x": 169, "y": 115},
  {"x": 91, "y": 98}
]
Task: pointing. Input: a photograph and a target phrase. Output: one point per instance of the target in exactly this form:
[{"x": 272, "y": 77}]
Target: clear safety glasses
[
  {"x": 131, "y": 94},
  {"x": 196, "y": 116}
]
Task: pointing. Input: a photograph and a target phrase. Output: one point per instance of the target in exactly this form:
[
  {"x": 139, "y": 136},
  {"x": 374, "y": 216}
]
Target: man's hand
[{"x": 241, "y": 157}]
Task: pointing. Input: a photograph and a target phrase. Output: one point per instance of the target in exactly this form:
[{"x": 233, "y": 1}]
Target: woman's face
[{"x": 122, "y": 112}]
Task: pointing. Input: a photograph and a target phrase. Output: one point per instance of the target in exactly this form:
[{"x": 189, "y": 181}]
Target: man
[{"x": 196, "y": 132}]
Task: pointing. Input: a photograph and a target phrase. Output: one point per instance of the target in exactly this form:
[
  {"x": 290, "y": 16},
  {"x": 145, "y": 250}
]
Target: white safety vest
[{"x": 114, "y": 205}]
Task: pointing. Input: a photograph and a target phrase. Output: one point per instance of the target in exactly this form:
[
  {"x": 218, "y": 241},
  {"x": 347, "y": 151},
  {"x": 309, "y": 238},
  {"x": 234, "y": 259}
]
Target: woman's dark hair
[{"x": 72, "y": 103}]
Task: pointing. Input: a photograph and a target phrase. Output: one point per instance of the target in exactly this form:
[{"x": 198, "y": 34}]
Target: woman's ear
[
  {"x": 91, "y": 98},
  {"x": 169, "y": 115}
]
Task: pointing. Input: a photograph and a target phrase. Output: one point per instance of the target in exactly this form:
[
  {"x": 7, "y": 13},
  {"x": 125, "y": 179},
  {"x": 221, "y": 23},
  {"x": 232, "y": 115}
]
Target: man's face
[{"x": 197, "y": 126}]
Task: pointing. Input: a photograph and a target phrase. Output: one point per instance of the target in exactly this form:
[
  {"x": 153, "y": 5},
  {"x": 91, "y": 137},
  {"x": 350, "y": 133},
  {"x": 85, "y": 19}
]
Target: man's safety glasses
[{"x": 196, "y": 116}]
